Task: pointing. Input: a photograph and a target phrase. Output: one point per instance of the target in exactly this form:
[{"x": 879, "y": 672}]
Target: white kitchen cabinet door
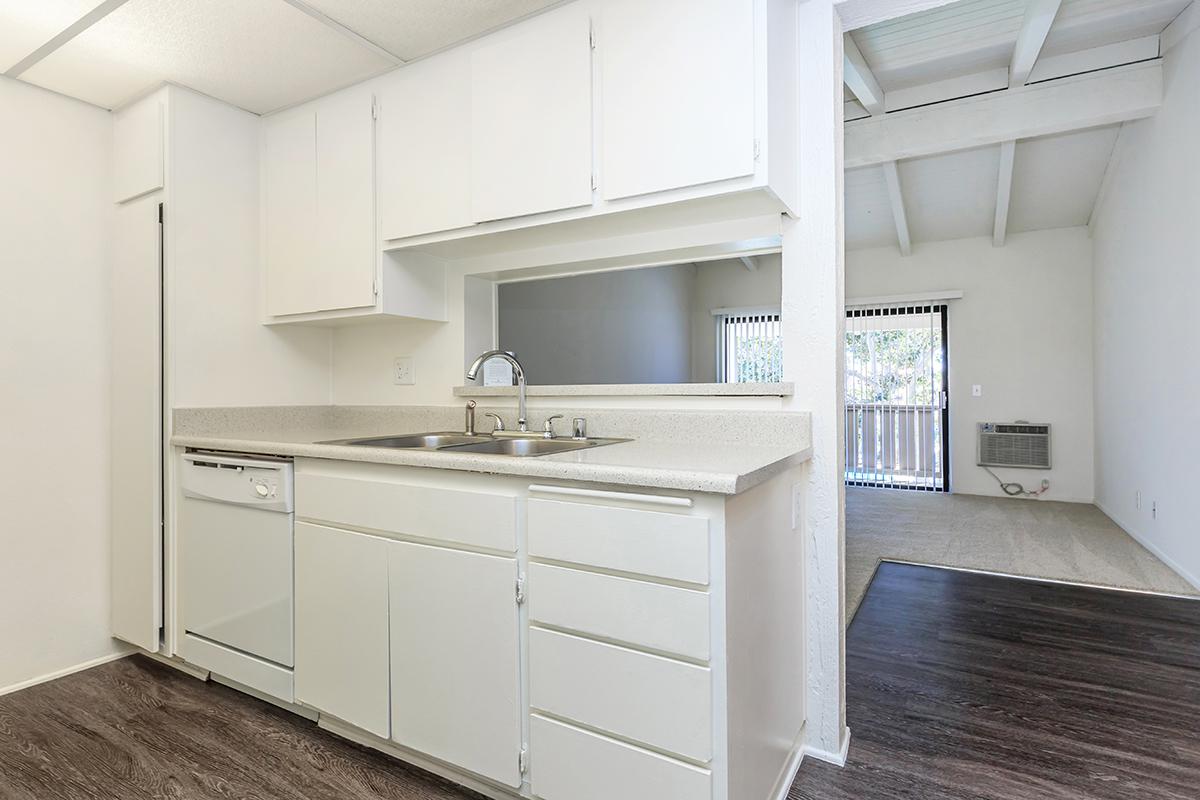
[
  {"x": 137, "y": 424},
  {"x": 347, "y": 250},
  {"x": 531, "y": 117},
  {"x": 455, "y": 658},
  {"x": 425, "y": 147},
  {"x": 342, "y": 625},
  {"x": 677, "y": 85},
  {"x": 290, "y": 210}
]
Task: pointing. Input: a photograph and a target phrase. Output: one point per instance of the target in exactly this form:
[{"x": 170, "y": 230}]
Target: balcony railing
[{"x": 894, "y": 445}]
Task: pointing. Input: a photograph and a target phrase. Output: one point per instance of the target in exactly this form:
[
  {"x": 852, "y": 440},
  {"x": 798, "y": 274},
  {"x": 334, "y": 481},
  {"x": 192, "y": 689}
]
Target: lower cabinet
[
  {"x": 455, "y": 660},
  {"x": 342, "y": 625}
]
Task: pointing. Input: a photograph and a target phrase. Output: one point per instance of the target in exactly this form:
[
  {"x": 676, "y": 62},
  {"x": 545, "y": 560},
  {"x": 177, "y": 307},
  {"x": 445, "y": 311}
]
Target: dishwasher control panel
[{"x": 241, "y": 480}]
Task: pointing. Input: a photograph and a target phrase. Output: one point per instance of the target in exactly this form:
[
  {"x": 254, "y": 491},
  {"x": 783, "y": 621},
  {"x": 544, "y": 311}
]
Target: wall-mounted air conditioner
[{"x": 1014, "y": 444}]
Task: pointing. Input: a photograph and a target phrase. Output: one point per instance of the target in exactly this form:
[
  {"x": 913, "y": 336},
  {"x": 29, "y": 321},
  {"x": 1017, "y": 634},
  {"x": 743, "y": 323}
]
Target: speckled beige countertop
[{"x": 724, "y": 452}]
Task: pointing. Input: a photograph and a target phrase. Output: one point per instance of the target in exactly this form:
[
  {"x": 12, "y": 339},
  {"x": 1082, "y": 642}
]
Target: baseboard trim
[
  {"x": 177, "y": 663},
  {"x": 838, "y": 759},
  {"x": 62, "y": 673},
  {"x": 791, "y": 767},
  {"x": 1151, "y": 546}
]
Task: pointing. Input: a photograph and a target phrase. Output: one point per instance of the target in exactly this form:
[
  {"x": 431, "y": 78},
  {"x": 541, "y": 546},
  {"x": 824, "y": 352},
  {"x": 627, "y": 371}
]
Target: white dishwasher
[{"x": 235, "y": 569}]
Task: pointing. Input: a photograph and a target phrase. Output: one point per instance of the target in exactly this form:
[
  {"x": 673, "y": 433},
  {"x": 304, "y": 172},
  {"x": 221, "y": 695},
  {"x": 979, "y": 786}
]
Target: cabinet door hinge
[
  {"x": 374, "y": 108},
  {"x": 595, "y": 182},
  {"x": 757, "y": 149},
  {"x": 523, "y": 760},
  {"x": 592, "y": 38},
  {"x": 520, "y": 589},
  {"x": 375, "y": 287}
]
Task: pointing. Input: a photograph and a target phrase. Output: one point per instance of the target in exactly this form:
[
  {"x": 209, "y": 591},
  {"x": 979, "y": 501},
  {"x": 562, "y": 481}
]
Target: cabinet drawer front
[
  {"x": 571, "y": 764},
  {"x": 643, "y": 614},
  {"x": 451, "y": 515},
  {"x": 647, "y": 698},
  {"x": 653, "y": 543}
]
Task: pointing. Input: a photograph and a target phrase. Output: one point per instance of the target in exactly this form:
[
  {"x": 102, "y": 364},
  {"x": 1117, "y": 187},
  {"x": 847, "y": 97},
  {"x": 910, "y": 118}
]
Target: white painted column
[{"x": 813, "y": 331}]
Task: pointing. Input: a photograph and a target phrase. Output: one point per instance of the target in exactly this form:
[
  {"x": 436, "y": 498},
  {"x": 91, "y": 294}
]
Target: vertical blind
[
  {"x": 896, "y": 400},
  {"x": 749, "y": 346}
]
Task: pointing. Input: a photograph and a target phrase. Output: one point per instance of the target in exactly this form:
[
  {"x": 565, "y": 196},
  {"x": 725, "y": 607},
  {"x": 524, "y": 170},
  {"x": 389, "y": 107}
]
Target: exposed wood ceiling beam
[
  {"x": 749, "y": 263},
  {"x": 1035, "y": 27},
  {"x": 861, "y": 13},
  {"x": 70, "y": 32},
  {"x": 349, "y": 33},
  {"x": 891, "y": 173},
  {"x": 859, "y": 78},
  {"x": 1008, "y": 152},
  {"x": 1069, "y": 104}
]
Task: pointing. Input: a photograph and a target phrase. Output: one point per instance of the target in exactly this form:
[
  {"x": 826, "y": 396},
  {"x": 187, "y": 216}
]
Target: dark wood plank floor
[
  {"x": 965, "y": 686},
  {"x": 137, "y": 729},
  {"x": 960, "y": 686}
]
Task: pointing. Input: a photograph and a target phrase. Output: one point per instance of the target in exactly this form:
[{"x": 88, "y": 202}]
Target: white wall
[
  {"x": 1023, "y": 331},
  {"x": 624, "y": 326},
  {"x": 55, "y": 219},
  {"x": 728, "y": 284},
  {"x": 1147, "y": 251},
  {"x": 221, "y": 354}
]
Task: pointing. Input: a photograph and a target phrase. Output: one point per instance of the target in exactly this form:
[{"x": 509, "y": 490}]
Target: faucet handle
[
  {"x": 579, "y": 428},
  {"x": 548, "y": 428},
  {"x": 499, "y": 422}
]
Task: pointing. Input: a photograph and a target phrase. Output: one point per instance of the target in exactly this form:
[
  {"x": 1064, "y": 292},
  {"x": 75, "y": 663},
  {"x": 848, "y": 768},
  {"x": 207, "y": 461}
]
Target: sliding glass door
[{"x": 897, "y": 403}]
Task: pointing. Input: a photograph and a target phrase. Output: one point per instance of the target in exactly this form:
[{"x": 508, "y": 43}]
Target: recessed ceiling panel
[
  {"x": 415, "y": 28},
  {"x": 951, "y": 196},
  {"x": 944, "y": 42},
  {"x": 256, "y": 54},
  {"x": 869, "y": 220},
  {"x": 1056, "y": 179},
  {"x": 1082, "y": 24},
  {"x": 26, "y": 25}
]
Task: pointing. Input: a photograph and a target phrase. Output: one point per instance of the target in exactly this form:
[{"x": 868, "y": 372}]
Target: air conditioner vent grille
[{"x": 1023, "y": 445}]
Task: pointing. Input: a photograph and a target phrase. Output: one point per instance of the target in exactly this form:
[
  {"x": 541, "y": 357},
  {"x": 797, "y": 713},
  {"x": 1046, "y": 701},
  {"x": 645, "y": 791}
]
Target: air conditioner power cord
[{"x": 1015, "y": 489}]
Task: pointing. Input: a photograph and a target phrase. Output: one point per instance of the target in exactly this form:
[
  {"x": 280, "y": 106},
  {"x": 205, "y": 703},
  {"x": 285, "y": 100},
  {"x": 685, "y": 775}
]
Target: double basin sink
[{"x": 509, "y": 445}]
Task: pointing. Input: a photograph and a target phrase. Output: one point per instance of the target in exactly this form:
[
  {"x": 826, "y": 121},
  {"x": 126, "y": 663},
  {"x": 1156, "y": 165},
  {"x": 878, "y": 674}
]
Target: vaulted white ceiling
[
  {"x": 260, "y": 55},
  {"x": 970, "y": 48}
]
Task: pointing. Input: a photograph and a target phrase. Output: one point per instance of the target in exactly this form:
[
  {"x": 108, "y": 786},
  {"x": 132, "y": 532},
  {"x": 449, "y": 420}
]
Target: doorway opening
[{"x": 897, "y": 401}]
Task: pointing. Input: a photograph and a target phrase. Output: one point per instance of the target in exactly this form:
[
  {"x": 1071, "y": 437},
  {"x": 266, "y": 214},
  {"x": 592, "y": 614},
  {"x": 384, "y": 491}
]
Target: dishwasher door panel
[{"x": 235, "y": 578}]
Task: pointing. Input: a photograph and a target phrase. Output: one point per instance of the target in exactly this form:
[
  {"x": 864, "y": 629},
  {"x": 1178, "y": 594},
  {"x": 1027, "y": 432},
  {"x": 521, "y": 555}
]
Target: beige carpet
[{"x": 1033, "y": 538}]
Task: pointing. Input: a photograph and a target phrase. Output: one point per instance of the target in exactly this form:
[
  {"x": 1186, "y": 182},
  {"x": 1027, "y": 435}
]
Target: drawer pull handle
[{"x": 654, "y": 499}]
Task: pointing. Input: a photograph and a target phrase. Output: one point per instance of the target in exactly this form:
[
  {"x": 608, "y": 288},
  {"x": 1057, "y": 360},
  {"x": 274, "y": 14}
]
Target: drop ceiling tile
[
  {"x": 259, "y": 55},
  {"x": 1056, "y": 179},
  {"x": 418, "y": 27},
  {"x": 951, "y": 196},
  {"x": 26, "y": 25},
  {"x": 869, "y": 220}
]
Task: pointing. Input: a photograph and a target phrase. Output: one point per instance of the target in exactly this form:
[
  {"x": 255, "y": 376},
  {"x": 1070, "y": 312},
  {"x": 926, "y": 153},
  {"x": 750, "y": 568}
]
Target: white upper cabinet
[
  {"x": 319, "y": 239},
  {"x": 677, "y": 96},
  {"x": 531, "y": 117},
  {"x": 425, "y": 147}
]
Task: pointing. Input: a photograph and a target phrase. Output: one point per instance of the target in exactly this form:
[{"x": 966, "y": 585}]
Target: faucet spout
[{"x": 518, "y": 371}]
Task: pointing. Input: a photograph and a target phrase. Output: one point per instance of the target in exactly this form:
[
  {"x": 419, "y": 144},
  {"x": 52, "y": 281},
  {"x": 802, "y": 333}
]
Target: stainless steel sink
[
  {"x": 452, "y": 442},
  {"x": 416, "y": 441},
  {"x": 523, "y": 447}
]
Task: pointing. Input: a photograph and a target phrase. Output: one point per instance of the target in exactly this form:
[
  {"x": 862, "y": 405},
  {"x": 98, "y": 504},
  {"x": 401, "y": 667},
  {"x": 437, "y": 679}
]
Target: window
[{"x": 749, "y": 345}]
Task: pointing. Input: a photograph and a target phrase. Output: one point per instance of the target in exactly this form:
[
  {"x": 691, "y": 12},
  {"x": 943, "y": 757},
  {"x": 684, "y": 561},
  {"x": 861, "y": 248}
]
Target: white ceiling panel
[
  {"x": 415, "y": 28},
  {"x": 957, "y": 39},
  {"x": 256, "y": 54},
  {"x": 1082, "y": 24},
  {"x": 951, "y": 196},
  {"x": 869, "y": 221},
  {"x": 1056, "y": 179},
  {"x": 26, "y": 25}
]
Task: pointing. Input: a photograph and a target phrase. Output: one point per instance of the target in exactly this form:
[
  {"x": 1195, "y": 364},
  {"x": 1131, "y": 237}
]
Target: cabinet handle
[{"x": 654, "y": 499}]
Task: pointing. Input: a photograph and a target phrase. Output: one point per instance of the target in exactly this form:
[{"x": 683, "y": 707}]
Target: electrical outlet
[
  {"x": 1137, "y": 499},
  {"x": 403, "y": 373},
  {"x": 976, "y": 390}
]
